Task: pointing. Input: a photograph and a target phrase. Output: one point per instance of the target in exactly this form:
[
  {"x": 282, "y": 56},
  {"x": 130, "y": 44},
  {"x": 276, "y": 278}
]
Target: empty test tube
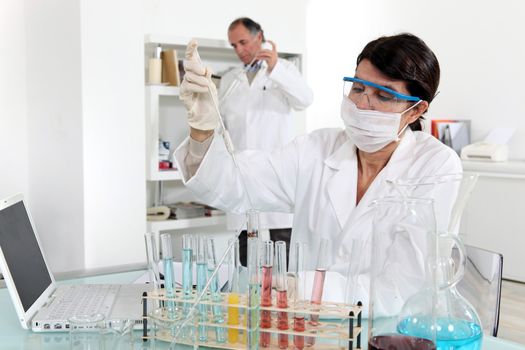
[
  {"x": 254, "y": 294},
  {"x": 298, "y": 271}
]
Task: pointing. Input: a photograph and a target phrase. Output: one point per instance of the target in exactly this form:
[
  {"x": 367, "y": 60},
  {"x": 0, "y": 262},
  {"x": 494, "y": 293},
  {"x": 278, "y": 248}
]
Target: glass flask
[
  {"x": 403, "y": 246},
  {"x": 453, "y": 320}
]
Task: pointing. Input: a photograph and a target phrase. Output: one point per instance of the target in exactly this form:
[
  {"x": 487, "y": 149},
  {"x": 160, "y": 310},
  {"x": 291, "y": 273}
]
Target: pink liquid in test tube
[
  {"x": 282, "y": 318},
  {"x": 317, "y": 290},
  {"x": 266, "y": 293},
  {"x": 298, "y": 326}
]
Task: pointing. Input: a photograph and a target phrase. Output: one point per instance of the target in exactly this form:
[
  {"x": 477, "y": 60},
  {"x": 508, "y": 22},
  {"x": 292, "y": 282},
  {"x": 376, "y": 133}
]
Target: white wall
[
  {"x": 13, "y": 138},
  {"x": 282, "y": 21},
  {"x": 478, "y": 44},
  {"x": 112, "y": 40},
  {"x": 54, "y": 129}
]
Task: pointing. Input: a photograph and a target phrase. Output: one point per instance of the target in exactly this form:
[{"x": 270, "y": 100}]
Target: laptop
[{"x": 41, "y": 304}]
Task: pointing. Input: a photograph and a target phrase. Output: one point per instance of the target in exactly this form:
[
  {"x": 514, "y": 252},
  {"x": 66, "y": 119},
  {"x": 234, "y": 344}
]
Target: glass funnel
[{"x": 449, "y": 191}]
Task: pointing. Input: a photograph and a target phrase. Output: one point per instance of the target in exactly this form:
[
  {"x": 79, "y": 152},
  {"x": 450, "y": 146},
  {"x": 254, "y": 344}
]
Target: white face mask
[{"x": 371, "y": 130}]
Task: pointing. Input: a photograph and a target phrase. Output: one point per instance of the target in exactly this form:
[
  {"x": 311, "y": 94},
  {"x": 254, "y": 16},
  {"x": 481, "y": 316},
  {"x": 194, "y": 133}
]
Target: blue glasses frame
[{"x": 390, "y": 91}]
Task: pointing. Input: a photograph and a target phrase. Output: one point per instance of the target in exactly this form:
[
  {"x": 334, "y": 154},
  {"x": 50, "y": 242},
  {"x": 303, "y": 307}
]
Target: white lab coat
[
  {"x": 315, "y": 177},
  {"x": 258, "y": 116}
]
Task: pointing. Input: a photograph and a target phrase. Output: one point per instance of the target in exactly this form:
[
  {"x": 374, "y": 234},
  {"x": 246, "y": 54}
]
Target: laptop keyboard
[{"x": 83, "y": 299}]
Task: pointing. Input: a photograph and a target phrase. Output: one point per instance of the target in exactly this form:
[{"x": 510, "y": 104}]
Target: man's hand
[{"x": 268, "y": 55}]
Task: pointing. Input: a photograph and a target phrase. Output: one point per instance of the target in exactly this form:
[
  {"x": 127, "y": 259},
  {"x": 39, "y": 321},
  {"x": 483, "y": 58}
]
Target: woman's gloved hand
[{"x": 195, "y": 91}]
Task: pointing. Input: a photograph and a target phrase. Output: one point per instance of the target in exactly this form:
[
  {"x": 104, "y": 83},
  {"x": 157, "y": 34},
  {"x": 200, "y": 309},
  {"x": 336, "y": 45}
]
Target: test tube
[
  {"x": 167, "y": 259},
  {"x": 266, "y": 292},
  {"x": 252, "y": 223},
  {"x": 254, "y": 297},
  {"x": 220, "y": 332},
  {"x": 153, "y": 259},
  {"x": 202, "y": 276},
  {"x": 281, "y": 286},
  {"x": 234, "y": 265},
  {"x": 187, "y": 265},
  {"x": 318, "y": 286},
  {"x": 298, "y": 271}
]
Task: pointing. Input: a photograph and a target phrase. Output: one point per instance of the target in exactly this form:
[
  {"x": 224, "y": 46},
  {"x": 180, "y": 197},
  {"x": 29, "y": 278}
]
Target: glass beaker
[{"x": 404, "y": 247}]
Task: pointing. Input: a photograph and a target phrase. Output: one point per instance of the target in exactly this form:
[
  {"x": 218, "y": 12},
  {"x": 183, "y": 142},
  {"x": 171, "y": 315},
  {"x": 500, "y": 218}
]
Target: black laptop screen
[{"x": 22, "y": 254}]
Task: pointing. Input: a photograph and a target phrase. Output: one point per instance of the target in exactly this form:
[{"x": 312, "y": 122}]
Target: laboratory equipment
[
  {"x": 331, "y": 332},
  {"x": 153, "y": 259},
  {"x": 234, "y": 266},
  {"x": 86, "y": 332},
  {"x": 452, "y": 189},
  {"x": 202, "y": 275},
  {"x": 299, "y": 280},
  {"x": 317, "y": 289},
  {"x": 254, "y": 294},
  {"x": 169, "y": 278},
  {"x": 457, "y": 323},
  {"x": 266, "y": 292},
  {"x": 252, "y": 223},
  {"x": 405, "y": 254},
  {"x": 218, "y": 318},
  {"x": 187, "y": 265},
  {"x": 281, "y": 286}
]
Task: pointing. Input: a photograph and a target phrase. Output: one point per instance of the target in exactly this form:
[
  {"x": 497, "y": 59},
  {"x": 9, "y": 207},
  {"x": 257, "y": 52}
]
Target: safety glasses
[{"x": 378, "y": 97}]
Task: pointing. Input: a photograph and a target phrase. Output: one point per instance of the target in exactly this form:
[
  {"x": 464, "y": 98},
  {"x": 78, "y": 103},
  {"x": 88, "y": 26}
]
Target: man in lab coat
[
  {"x": 330, "y": 177},
  {"x": 256, "y": 101}
]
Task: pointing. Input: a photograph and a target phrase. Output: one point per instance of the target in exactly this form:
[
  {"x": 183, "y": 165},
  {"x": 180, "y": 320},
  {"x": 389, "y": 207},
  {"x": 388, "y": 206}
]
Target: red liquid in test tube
[{"x": 266, "y": 293}]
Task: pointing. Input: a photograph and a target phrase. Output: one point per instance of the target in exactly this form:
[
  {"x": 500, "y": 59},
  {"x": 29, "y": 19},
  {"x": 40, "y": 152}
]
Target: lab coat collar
[
  {"x": 344, "y": 156},
  {"x": 342, "y": 185}
]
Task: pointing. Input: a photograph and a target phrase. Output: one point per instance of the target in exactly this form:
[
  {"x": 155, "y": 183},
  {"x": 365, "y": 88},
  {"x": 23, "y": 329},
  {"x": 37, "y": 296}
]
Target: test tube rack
[{"x": 339, "y": 326}]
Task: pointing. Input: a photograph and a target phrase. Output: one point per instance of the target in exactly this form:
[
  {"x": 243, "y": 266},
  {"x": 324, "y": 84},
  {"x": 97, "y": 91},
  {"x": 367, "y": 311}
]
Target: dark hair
[
  {"x": 406, "y": 57},
  {"x": 252, "y": 26}
]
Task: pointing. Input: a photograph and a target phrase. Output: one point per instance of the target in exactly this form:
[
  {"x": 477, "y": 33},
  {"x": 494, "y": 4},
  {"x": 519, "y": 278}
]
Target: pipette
[{"x": 192, "y": 49}]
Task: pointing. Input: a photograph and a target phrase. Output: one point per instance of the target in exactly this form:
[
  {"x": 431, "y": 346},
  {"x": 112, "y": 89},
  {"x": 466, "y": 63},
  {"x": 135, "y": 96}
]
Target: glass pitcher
[{"x": 453, "y": 320}]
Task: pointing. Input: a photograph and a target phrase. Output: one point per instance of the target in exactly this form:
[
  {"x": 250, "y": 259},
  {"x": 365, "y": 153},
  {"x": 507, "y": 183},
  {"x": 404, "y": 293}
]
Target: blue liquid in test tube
[
  {"x": 202, "y": 276},
  {"x": 169, "y": 287},
  {"x": 187, "y": 265}
]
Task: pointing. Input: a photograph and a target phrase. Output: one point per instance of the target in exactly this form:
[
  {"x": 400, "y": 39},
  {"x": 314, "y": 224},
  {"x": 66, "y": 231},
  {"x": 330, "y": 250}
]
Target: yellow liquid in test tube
[{"x": 233, "y": 318}]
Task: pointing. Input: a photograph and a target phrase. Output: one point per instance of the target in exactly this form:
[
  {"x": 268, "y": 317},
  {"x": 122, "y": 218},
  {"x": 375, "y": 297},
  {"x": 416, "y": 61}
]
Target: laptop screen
[{"x": 22, "y": 254}]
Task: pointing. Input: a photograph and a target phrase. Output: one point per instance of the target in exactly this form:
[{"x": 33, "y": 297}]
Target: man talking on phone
[{"x": 256, "y": 101}]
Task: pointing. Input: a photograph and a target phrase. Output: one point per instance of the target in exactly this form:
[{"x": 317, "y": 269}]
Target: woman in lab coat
[{"x": 329, "y": 177}]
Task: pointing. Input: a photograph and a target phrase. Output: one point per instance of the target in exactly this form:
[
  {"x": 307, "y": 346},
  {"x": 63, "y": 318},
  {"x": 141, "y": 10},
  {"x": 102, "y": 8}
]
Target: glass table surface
[{"x": 13, "y": 336}]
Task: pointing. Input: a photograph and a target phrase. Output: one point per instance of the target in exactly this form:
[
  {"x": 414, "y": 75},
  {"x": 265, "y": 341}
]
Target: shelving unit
[
  {"x": 167, "y": 225},
  {"x": 153, "y": 94},
  {"x": 166, "y": 118}
]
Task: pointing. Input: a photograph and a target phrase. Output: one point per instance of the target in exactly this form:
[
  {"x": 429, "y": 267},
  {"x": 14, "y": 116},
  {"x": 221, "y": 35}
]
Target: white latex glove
[{"x": 194, "y": 91}]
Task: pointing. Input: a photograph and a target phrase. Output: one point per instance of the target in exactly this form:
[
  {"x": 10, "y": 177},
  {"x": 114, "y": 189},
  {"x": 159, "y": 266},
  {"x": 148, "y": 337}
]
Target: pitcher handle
[{"x": 458, "y": 275}]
